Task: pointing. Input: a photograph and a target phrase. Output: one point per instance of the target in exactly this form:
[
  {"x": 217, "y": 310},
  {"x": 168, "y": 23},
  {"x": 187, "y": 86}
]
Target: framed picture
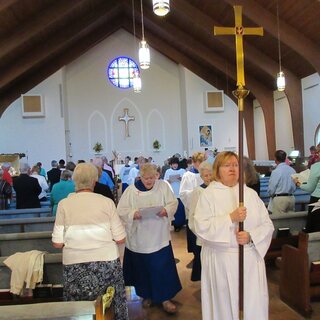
[
  {"x": 205, "y": 136},
  {"x": 32, "y": 106},
  {"x": 214, "y": 101}
]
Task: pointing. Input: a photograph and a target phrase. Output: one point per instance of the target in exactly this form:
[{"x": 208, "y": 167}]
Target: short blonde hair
[
  {"x": 84, "y": 176},
  {"x": 205, "y": 166},
  {"x": 220, "y": 160},
  {"x": 148, "y": 168},
  {"x": 198, "y": 157}
]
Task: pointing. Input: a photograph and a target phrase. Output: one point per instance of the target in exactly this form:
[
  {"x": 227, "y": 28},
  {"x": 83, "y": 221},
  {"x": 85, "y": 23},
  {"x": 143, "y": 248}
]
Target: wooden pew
[
  {"x": 25, "y": 213},
  {"x": 299, "y": 284},
  {"x": 296, "y": 221},
  {"x": 26, "y": 224},
  {"x": 11, "y": 243}
]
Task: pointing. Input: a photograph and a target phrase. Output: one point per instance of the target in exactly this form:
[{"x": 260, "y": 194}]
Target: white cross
[{"x": 126, "y": 118}]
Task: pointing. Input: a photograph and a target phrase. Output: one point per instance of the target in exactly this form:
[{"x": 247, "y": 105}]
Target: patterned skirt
[{"x": 86, "y": 281}]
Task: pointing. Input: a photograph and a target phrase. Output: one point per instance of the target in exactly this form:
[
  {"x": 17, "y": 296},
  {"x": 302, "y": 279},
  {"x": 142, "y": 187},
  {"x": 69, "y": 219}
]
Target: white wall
[
  {"x": 311, "y": 108},
  {"x": 41, "y": 139}
]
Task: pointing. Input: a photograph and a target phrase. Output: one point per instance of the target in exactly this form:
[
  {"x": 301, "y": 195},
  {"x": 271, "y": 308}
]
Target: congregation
[{"x": 99, "y": 208}]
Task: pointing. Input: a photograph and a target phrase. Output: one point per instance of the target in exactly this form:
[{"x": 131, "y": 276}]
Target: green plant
[
  {"x": 156, "y": 145},
  {"x": 97, "y": 147}
]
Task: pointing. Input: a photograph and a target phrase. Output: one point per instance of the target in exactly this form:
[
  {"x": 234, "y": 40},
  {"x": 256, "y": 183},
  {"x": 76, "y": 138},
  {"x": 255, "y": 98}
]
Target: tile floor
[{"x": 188, "y": 300}]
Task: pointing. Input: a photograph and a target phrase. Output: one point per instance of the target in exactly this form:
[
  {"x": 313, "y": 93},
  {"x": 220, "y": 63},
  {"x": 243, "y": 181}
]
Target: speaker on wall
[
  {"x": 214, "y": 101},
  {"x": 32, "y": 106}
]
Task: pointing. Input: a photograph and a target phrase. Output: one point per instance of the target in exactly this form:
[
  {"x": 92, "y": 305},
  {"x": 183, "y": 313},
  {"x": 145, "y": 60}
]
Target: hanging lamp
[
  {"x": 144, "y": 52},
  {"x": 281, "y": 80},
  {"x": 161, "y": 7}
]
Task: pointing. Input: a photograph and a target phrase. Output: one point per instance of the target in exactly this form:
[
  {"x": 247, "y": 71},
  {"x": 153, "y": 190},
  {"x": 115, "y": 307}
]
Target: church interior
[{"x": 59, "y": 100}]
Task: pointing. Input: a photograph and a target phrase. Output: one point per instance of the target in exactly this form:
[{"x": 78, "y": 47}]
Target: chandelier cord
[
  {"x": 279, "y": 42},
  {"x": 142, "y": 23}
]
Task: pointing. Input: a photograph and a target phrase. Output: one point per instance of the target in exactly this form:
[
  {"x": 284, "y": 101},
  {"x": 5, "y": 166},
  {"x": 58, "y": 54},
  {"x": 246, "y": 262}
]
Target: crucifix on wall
[{"x": 126, "y": 118}]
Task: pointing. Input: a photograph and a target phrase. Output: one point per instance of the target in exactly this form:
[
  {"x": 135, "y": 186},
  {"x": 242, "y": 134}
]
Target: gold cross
[
  {"x": 126, "y": 118},
  {"x": 239, "y": 31}
]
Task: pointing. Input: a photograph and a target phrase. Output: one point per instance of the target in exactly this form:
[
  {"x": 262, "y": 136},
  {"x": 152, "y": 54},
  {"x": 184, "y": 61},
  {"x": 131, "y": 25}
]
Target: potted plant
[
  {"x": 97, "y": 148},
  {"x": 156, "y": 145}
]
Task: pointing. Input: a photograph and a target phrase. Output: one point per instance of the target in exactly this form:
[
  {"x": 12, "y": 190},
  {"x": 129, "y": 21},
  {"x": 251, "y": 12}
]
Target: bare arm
[{"x": 57, "y": 245}]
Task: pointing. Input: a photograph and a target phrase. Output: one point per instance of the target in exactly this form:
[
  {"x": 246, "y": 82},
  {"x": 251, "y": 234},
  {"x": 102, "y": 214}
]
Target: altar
[{"x": 14, "y": 160}]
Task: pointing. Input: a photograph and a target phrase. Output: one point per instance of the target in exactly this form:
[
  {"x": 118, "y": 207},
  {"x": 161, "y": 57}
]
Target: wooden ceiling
[{"x": 38, "y": 37}]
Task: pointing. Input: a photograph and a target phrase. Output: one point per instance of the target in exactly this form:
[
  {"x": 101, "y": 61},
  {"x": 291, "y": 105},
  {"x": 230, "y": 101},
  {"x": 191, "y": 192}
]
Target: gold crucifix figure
[
  {"x": 126, "y": 118},
  {"x": 239, "y": 31}
]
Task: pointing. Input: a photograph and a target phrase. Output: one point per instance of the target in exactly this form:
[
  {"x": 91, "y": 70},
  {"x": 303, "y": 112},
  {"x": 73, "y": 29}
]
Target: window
[
  {"x": 121, "y": 71},
  {"x": 317, "y": 136}
]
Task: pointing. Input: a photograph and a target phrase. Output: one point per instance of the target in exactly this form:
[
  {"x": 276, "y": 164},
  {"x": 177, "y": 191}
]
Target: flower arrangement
[
  {"x": 97, "y": 147},
  {"x": 156, "y": 145}
]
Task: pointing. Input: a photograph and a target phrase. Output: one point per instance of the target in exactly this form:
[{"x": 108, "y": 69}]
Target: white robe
[
  {"x": 219, "y": 255},
  {"x": 147, "y": 235},
  {"x": 189, "y": 182}
]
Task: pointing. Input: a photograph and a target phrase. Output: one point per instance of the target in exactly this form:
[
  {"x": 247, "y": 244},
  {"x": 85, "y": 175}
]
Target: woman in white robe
[
  {"x": 216, "y": 223},
  {"x": 148, "y": 262}
]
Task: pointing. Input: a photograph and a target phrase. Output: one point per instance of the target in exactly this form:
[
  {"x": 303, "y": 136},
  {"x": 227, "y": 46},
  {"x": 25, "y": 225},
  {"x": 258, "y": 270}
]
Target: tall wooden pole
[{"x": 240, "y": 93}]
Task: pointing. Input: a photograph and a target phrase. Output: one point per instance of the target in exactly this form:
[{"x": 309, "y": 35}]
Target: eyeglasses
[{"x": 230, "y": 165}]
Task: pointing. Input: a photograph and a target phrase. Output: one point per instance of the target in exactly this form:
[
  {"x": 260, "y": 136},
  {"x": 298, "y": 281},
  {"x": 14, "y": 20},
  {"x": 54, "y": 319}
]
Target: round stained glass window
[{"x": 121, "y": 71}]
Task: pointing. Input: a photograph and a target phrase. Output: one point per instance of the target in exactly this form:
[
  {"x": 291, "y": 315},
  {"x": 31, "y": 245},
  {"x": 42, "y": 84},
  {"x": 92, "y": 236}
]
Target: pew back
[
  {"x": 11, "y": 243},
  {"x": 26, "y": 224}
]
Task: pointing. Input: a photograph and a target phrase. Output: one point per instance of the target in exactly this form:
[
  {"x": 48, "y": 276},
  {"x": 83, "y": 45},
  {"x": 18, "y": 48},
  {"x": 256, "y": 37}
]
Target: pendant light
[
  {"x": 144, "y": 52},
  {"x": 136, "y": 80},
  {"x": 281, "y": 80},
  {"x": 161, "y": 7}
]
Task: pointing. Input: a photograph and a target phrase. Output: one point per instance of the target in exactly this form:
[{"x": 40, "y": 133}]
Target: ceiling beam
[
  {"x": 45, "y": 51},
  {"x": 306, "y": 48}
]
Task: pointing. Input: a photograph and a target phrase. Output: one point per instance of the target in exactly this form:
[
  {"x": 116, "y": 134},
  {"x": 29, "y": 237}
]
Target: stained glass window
[{"x": 121, "y": 71}]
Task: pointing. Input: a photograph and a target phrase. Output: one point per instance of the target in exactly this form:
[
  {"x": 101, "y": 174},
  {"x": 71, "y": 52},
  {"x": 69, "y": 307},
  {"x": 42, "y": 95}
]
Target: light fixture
[
  {"x": 281, "y": 80},
  {"x": 137, "y": 83},
  {"x": 144, "y": 52},
  {"x": 136, "y": 80},
  {"x": 161, "y": 7}
]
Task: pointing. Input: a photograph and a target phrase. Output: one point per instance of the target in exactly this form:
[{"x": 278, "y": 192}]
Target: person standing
[
  {"x": 216, "y": 219},
  {"x": 54, "y": 174},
  {"x": 190, "y": 180},
  {"x": 5, "y": 192},
  {"x": 174, "y": 175},
  {"x": 88, "y": 230},
  {"x": 124, "y": 173},
  {"x": 148, "y": 262},
  {"x": 312, "y": 186},
  {"x": 27, "y": 189},
  {"x": 281, "y": 186}
]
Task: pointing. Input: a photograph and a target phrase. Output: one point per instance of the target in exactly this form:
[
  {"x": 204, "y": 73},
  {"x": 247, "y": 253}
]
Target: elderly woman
[
  {"x": 147, "y": 208},
  {"x": 61, "y": 189},
  {"x": 205, "y": 170},
  {"x": 88, "y": 229},
  {"x": 312, "y": 186},
  {"x": 216, "y": 223}
]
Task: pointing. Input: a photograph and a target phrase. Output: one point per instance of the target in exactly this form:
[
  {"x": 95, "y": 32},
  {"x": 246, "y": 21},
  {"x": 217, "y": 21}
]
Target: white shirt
[
  {"x": 88, "y": 225},
  {"x": 147, "y": 235},
  {"x": 174, "y": 184},
  {"x": 43, "y": 184}
]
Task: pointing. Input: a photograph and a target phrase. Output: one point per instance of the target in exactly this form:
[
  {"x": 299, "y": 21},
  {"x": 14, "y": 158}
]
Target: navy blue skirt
[
  {"x": 180, "y": 215},
  {"x": 154, "y": 275}
]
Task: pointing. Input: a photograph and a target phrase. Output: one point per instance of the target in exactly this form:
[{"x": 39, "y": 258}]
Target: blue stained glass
[{"x": 121, "y": 71}]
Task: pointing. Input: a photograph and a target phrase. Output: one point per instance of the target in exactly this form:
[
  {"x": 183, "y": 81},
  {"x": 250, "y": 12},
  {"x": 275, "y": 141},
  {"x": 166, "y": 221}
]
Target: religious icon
[{"x": 205, "y": 134}]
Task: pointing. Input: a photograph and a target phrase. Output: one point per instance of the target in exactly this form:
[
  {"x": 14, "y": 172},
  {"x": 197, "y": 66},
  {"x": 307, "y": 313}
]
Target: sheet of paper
[
  {"x": 315, "y": 205},
  {"x": 303, "y": 176},
  {"x": 174, "y": 177},
  {"x": 150, "y": 212}
]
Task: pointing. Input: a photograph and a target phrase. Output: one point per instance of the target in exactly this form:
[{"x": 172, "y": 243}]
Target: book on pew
[
  {"x": 283, "y": 232},
  {"x": 315, "y": 266}
]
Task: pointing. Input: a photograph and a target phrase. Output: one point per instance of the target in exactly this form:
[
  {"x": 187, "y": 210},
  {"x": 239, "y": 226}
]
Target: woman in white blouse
[{"x": 89, "y": 230}]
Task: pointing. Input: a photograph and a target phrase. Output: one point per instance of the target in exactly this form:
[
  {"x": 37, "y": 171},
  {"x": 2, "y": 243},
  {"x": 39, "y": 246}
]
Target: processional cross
[
  {"x": 240, "y": 93},
  {"x": 126, "y": 118}
]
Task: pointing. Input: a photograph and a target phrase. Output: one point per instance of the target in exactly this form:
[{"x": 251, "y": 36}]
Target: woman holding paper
[
  {"x": 312, "y": 186},
  {"x": 147, "y": 208}
]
